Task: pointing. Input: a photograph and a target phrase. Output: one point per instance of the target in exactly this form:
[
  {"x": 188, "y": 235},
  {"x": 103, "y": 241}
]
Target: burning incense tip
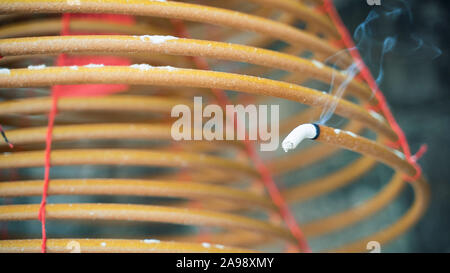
[{"x": 309, "y": 131}]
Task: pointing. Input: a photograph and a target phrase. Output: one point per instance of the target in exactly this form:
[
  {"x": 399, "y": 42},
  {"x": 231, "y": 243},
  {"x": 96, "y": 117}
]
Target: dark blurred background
[{"x": 416, "y": 84}]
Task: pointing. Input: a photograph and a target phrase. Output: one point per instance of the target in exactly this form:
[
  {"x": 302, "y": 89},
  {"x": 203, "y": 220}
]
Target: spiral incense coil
[{"x": 189, "y": 196}]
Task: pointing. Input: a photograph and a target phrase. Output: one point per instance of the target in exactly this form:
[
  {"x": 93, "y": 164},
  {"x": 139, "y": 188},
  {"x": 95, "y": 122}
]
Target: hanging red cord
[
  {"x": 266, "y": 176},
  {"x": 75, "y": 90},
  {"x": 367, "y": 75}
]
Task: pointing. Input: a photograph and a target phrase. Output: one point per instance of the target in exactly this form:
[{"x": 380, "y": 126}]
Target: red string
[
  {"x": 65, "y": 30},
  {"x": 48, "y": 143},
  {"x": 75, "y": 90},
  {"x": 337, "y": 43},
  {"x": 375, "y": 108},
  {"x": 413, "y": 160},
  {"x": 320, "y": 9},
  {"x": 48, "y": 140},
  {"x": 266, "y": 176},
  {"x": 393, "y": 144},
  {"x": 422, "y": 150},
  {"x": 365, "y": 72}
]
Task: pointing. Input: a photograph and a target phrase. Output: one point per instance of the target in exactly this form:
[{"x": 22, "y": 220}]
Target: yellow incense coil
[{"x": 113, "y": 156}]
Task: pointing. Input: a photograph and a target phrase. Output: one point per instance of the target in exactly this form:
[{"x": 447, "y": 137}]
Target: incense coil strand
[{"x": 358, "y": 116}]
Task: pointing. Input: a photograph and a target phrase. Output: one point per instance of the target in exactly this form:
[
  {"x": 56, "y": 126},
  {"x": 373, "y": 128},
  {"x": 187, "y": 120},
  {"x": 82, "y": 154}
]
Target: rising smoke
[{"x": 375, "y": 37}]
